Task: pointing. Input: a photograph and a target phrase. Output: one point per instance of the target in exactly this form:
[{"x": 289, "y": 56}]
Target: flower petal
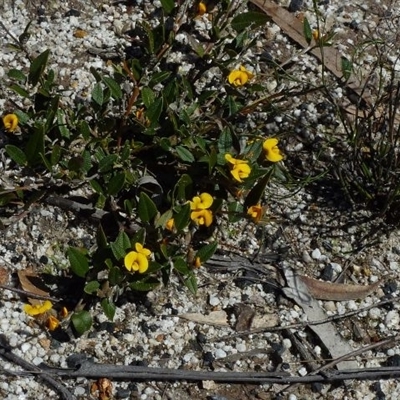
[
  {"x": 10, "y": 122},
  {"x": 130, "y": 261},
  {"x": 143, "y": 263}
]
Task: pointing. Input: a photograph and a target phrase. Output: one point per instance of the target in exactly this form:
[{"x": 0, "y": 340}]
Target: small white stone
[
  {"x": 79, "y": 391},
  {"x": 374, "y": 313},
  {"x": 214, "y": 301},
  {"x": 219, "y": 353},
  {"x": 25, "y": 347},
  {"x": 336, "y": 267},
  {"x": 392, "y": 319},
  {"x": 306, "y": 257},
  {"x": 241, "y": 347},
  {"x": 302, "y": 371},
  {"x": 286, "y": 343},
  {"x": 316, "y": 254}
]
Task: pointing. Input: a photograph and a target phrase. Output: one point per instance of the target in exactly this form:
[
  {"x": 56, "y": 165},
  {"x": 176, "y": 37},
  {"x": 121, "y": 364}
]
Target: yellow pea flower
[
  {"x": 239, "y": 77},
  {"x": 271, "y": 149},
  {"x": 240, "y": 169},
  {"x": 201, "y": 202},
  {"x": 134, "y": 261},
  {"x": 52, "y": 323},
  {"x": 202, "y": 217},
  {"x": 137, "y": 260},
  {"x": 197, "y": 262},
  {"x": 170, "y": 224},
  {"x": 38, "y": 309},
  {"x": 10, "y": 122},
  {"x": 201, "y": 8},
  {"x": 255, "y": 212}
]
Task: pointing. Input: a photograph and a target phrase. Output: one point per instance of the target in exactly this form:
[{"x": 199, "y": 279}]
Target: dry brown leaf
[
  {"x": 4, "y": 276},
  {"x": 29, "y": 282},
  {"x": 337, "y": 291},
  {"x": 219, "y": 318}
]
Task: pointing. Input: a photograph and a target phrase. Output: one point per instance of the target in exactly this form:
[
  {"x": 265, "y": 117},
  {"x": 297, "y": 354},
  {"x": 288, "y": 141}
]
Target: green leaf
[
  {"x": 168, "y": 5},
  {"x": 347, "y": 68},
  {"x": 37, "y": 67},
  {"x": 182, "y": 218},
  {"x": 98, "y": 94},
  {"x": 181, "y": 266},
  {"x": 257, "y": 192},
  {"x": 162, "y": 220},
  {"x": 185, "y": 154},
  {"x": 235, "y": 211},
  {"x": 101, "y": 238},
  {"x": 233, "y": 107},
  {"x": 307, "y": 31},
  {"x": 206, "y": 252},
  {"x": 91, "y": 287},
  {"x": 183, "y": 188},
  {"x": 225, "y": 141},
  {"x": 115, "y": 276},
  {"x": 55, "y": 154},
  {"x": 114, "y": 87},
  {"x": 82, "y": 321},
  {"x": 107, "y": 162},
  {"x": 154, "y": 111},
  {"x": 191, "y": 283},
  {"x": 147, "y": 96},
  {"x": 108, "y": 308},
  {"x": 116, "y": 184},
  {"x": 158, "y": 78},
  {"x": 145, "y": 285},
  {"x": 120, "y": 246},
  {"x": 35, "y": 145},
  {"x": 78, "y": 261},
  {"x": 146, "y": 208},
  {"x": 62, "y": 124},
  {"x": 19, "y": 90},
  {"x": 249, "y": 19},
  {"x": 16, "y": 74},
  {"x": 16, "y": 154}
]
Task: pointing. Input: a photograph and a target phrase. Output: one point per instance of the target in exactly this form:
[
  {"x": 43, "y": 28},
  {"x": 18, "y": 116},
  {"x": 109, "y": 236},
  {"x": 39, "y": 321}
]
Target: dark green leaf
[
  {"x": 235, "y": 210},
  {"x": 37, "y": 67},
  {"x": 159, "y": 77},
  {"x": 145, "y": 285},
  {"x": 91, "y": 287},
  {"x": 106, "y": 163},
  {"x": 114, "y": 87},
  {"x": 98, "y": 94},
  {"x": 347, "y": 68},
  {"x": 191, "y": 283},
  {"x": 35, "y": 145},
  {"x": 116, "y": 184},
  {"x": 121, "y": 246},
  {"x": 16, "y": 154},
  {"x": 257, "y": 192},
  {"x": 16, "y": 74},
  {"x": 249, "y": 19},
  {"x": 182, "y": 218},
  {"x": 147, "y": 96},
  {"x": 78, "y": 261},
  {"x": 162, "y": 220},
  {"x": 55, "y": 154},
  {"x": 82, "y": 321},
  {"x": 154, "y": 111},
  {"x": 19, "y": 90},
  {"x": 108, "y": 308},
  {"x": 307, "y": 30},
  {"x": 185, "y": 154},
  {"x": 183, "y": 188},
  {"x": 206, "y": 252},
  {"x": 62, "y": 124},
  {"x": 101, "y": 238},
  {"x": 146, "y": 208},
  {"x": 115, "y": 276},
  {"x": 232, "y": 105},
  {"x": 181, "y": 266},
  {"x": 225, "y": 141},
  {"x": 168, "y": 5}
]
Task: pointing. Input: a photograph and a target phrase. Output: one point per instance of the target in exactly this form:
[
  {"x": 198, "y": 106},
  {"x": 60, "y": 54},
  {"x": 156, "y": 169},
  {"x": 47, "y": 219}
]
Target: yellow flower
[
  {"x": 239, "y": 77},
  {"x": 10, "y": 122},
  {"x": 197, "y": 262},
  {"x": 201, "y": 202},
  {"x": 38, "y": 309},
  {"x": 255, "y": 212},
  {"x": 315, "y": 34},
  {"x": 272, "y": 152},
  {"x": 137, "y": 260},
  {"x": 201, "y": 8},
  {"x": 52, "y": 323},
  {"x": 170, "y": 224},
  {"x": 141, "y": 250},
  {"x": 202, "y": 217},
  {"x": 240, "y": 169}
]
